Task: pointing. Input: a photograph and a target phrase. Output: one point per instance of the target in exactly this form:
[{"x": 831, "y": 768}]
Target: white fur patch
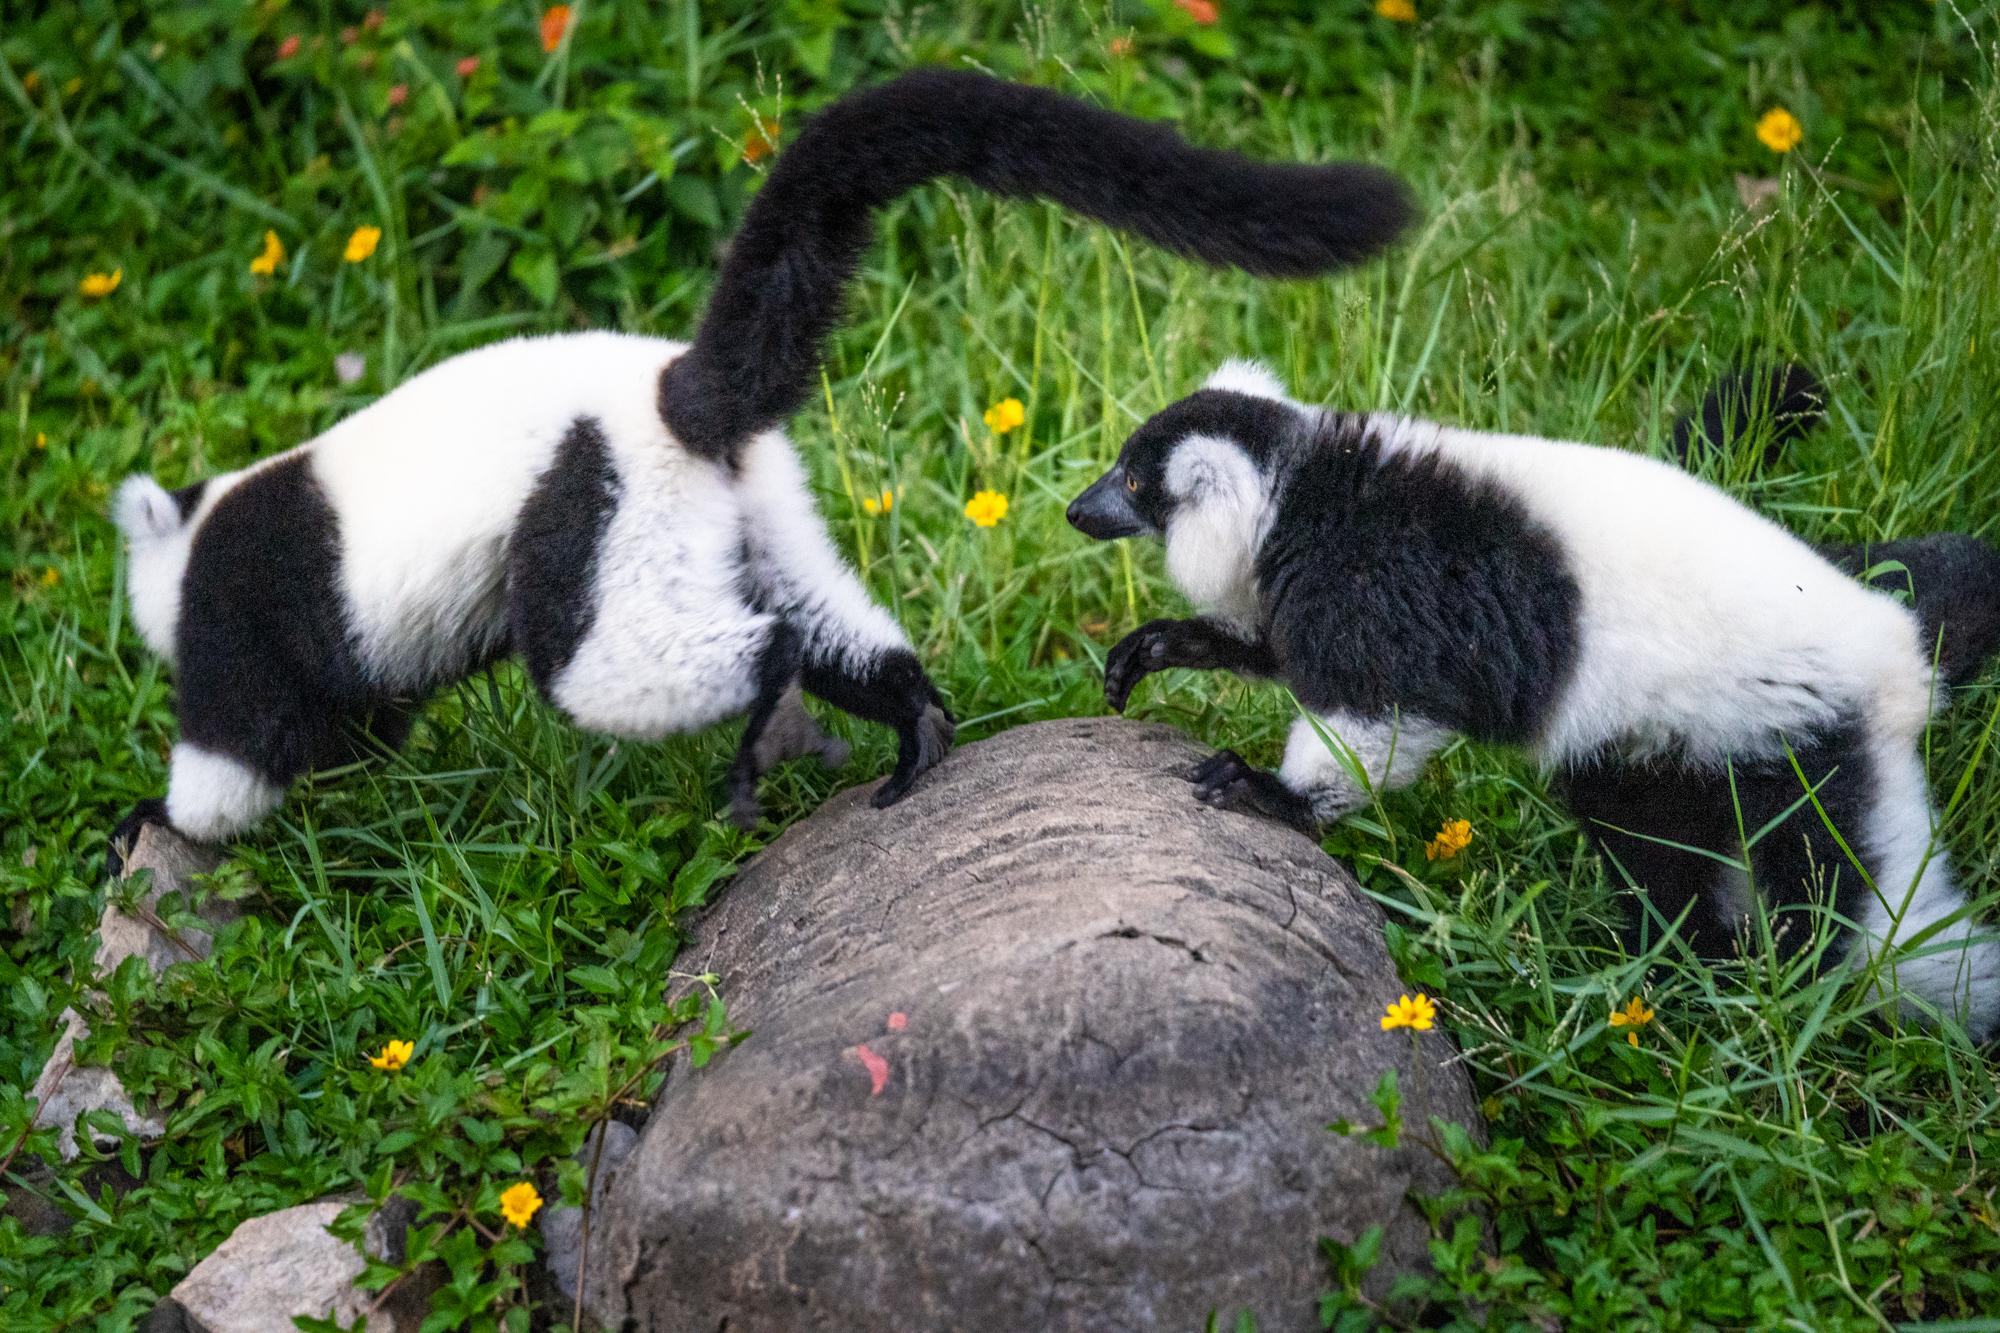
[
  {"x": 673, "y": 645},
  {"x": 802, "y": 576},
  {"x": 1248, "y": 377},
  {"x": 211, "y": 797},
  {"x": 1390, "y": 753},
  {"x": 427, "y": 482},
  {"x": 1220, "y": 516},
  {"x": 144, "y": 511}
]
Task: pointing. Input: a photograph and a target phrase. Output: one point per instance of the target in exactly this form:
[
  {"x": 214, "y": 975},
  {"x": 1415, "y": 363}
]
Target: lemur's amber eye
[{"x": 1131, "y": 483}]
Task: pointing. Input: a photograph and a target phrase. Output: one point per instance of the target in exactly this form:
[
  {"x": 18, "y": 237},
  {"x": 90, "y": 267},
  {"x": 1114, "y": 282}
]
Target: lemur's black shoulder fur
[
  {"x": 780, "y": 290},
  {"x": 1397, "y": 578}
]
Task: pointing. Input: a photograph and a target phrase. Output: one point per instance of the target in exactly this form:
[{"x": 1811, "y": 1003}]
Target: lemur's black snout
[{"x": 1105, "y": 511}]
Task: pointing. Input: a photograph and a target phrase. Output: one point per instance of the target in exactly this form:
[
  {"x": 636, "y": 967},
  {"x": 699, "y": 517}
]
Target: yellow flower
[
  {"x": 1005, "y": 415},
  {"x": 879, "y": 505},
  {"x": 1453, "y": 837},
  {"x": 394, "y": 1056},
  {"x": 1396, "y": 11},
  {"x": 101, "y": 284},
  {"x": 41, "y": 440},
  {"x": 1779, "y": 130},
  {"x": 265, "y": 264},
  {"x": 362, "y": 244},
  {"x": 1410, "y": 1011},
  {"x": 986, "y": 508},
  {"x": 50, "y": 577},
  {"x": 1635, "y": 1014},
  {"x": 520, "y": 1202}
]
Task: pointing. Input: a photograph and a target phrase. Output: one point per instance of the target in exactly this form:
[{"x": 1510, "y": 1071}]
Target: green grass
[{"x": 1778, "y": 1151}]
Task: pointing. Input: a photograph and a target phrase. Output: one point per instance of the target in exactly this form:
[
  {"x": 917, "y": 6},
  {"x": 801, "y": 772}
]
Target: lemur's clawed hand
[
  {"x": 1137, "y": 656},
  {"x": 1227, "y": 782}
]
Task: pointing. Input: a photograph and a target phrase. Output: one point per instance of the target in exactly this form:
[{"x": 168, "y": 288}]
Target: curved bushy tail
[
  {"x": 1788, "y": 397},
  {"x": 780, "y": 290}
]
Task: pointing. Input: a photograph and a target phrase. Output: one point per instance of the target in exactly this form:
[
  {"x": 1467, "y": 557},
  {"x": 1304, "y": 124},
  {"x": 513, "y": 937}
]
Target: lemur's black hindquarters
[
  {"x": 1677, "y": 833},
  {"x": 752, "y": 363}
]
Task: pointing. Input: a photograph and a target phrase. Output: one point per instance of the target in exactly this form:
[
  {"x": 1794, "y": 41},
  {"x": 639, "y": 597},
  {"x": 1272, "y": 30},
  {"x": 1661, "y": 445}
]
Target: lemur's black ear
[{"x": 1788, "y": 397}]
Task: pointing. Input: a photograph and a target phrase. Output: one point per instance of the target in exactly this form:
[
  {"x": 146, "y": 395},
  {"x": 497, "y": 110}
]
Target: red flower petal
[{"x": 878, "y": 1070}]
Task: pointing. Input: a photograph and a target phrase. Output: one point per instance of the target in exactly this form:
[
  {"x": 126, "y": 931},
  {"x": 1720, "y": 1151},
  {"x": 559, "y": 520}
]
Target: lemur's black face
[{"x": 1135, "y": 498}]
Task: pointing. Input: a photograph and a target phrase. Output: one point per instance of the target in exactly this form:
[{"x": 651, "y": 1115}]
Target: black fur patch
[
  {"x": 780, "y": 291},
  {"x": 1788, "y": 399},
  {"x": 266, "y": 673},
  {"x": 1396, "y": 581},
  {"x": 188, "y": 498},
  {"x": 1632, "y": 810},
  {"x": 552, "y": 562}
]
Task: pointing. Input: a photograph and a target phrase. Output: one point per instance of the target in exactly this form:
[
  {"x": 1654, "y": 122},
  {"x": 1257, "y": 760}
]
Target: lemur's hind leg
[
  {"x": 778, "y": 727},
  {"x": 852, "y": 653}
]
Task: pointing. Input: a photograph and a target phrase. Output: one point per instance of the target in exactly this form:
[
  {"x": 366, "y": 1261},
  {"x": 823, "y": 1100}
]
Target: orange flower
[
  {"x": 555, "y": 22},
  {"x": 467, "y": 67},
  {"x": 1396, "y": 11},
  {"x": 519, "y": 1203},
  {"x": 101, "y": 284},
  {"x": 1453, "y": 837},
  {"x": 1779, "y": 130},
  {"x": 289, "y": 47},
  {"x": 265, "y": 264},
  {"x": 762, "y": 140},
  {"x": 399, "y": 94},
  {"x": 1203, "y": 12},
  {"x": 362, "y": 244},
  {"x": 1120, "y": 47}
]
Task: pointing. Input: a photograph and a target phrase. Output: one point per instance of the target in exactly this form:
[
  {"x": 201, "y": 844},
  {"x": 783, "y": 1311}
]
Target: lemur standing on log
[
  {"x": 623, "y": 512},
  {"x": 1650, "y": 639}
]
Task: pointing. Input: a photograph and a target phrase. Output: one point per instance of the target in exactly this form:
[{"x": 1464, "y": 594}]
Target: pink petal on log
[
  {"x": 878, "y": 1070},
  {"x": 898, "y": 1021}
]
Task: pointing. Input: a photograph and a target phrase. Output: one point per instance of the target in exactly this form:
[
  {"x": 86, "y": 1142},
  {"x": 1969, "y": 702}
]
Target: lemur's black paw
[
  {"x": 1135, "y": 657},
  {"x": 922, "y": 744},
  {"x": 152, "y": 810},
  {"x": 1226, "y": 782}
]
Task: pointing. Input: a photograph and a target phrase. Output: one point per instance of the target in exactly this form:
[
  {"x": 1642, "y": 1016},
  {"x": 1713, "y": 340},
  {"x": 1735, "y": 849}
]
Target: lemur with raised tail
[
  {"x": 1679, "y": 661},
  {"x": 623, "y": 512}
]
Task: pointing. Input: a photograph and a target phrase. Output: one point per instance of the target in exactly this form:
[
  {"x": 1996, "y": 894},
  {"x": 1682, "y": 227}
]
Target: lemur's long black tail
[
  {"x": 1788, "y": 397},
  {"x": 781, "y": 286}
]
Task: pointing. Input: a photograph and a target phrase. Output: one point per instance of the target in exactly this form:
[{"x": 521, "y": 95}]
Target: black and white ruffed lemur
[
  {"x": 623, "y": 512},
  {"x": 1668, "y": 653}
]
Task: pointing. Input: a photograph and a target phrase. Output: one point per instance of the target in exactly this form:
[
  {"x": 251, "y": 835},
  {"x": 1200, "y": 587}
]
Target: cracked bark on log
[{"x": 1125, "y": 1021}]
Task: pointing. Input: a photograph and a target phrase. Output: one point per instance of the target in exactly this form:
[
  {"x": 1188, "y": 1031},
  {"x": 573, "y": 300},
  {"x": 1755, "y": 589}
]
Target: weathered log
[{"x": 1046, "y": 1045}]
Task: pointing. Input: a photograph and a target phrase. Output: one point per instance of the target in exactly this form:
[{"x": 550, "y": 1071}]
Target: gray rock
[
  {"x": 66, "y": 1089},
  {"x": 1046, "y": 1045},
  {"x": 563, "y": 1227},
  {"x": 284, "y": 1264}
]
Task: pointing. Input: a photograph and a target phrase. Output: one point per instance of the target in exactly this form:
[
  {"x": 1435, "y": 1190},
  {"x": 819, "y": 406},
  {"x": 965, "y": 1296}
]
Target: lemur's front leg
[
  {"x": 1325, "y": 776},
  {"x": 1160, "y": 645}
]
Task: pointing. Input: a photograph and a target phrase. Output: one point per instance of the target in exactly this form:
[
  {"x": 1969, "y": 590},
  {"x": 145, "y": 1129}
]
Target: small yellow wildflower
[
  {"x": 41, "y": 440},
  {"x": 1635, "y": 1015},
  {"x": 1005, "y": 415},
  {"x": 101, "y": 284},
  {"x": 986, "y": 508},
  {"x": 1779, "y": 130},
  {"x": 362, "y": 244},
  {"x": 50, "y": 577},
  {"x": 1396, "y": 11},
  {"x": 31, "y": 80},
  {"x": 1415, "y": 1012},
  {"x": 74, "y": 86},
  {"x": 265, "y": 264},
  {"x": 882, "y": 504},
  {"x": 1453, "y": 837},
  {"x": 394, "y": 1056},
  {"x": 762, "y": 140},
  {"x": 520, "y": 1202}
]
